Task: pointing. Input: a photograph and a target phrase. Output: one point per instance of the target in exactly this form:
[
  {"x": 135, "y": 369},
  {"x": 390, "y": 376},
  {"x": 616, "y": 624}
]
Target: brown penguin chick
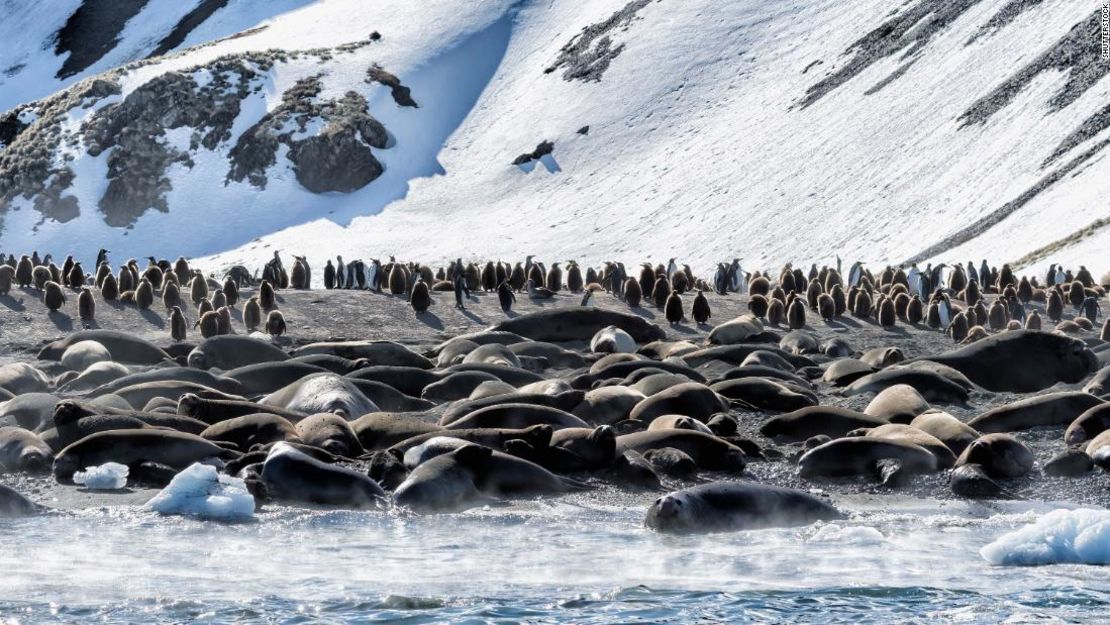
[
  {"x": 177, "y": 324},
  {"x": 776, "y": 312},
  {"x": 76, "y": 276},
  {"x": 24, "y": 272},
  {"x": 170, "y": 295},
  {"x": 661, "y": 292},
  {"x": 673, "y": 308},
  {"x": 275, "y": 323},
  {"x": 700, "y": 308},
  {"x": 1033, "y": 321},
  {"x": 914, "y": 310},
  {"x": 397, "y": 280},
  {"x": 633, "y": 294},
  {"x": 144, "y": 294},
  {"x": 554, "y": 278},
  {"x": 574, "y": 278},
  {"x": 796, "y": 314},
  {"x": 205, "y": 306},
  {"x": 40, "y": 276},
  {"x": 109, "y": 288},
  {"x": 154, "y": 275},
  {"x": 840, "y": 299},
  {"x": 887, "y": 313},
  {"x": 198, "y": 288},
  {"x": 219, "y": 300},
  {"x": 126, "y": 281},
  {"x": 7, "y": 279},
  {"x": 826, "y": 306},
  {"x": 976, "y": 333},
  {"x": 861, "y": 305},
  {"x": 86, "y": 304},
  {"x": 759, "y": 286},
  {"x": 223, "y": 318},
  {"x": 958, "y": 329},
  {"x": 1055, "y": 306},
  {"x": 997, "y": 316},
  {"x": 421, "y": 298},
  {"x": 231, "y": 292},
  {"x": 252, "y": 314},
  {"x": 209, "y": 324},
  {"x": 53, "y": 296},
  {"x": 267, "y": 299},
  {"x": 758, "y": 305}
]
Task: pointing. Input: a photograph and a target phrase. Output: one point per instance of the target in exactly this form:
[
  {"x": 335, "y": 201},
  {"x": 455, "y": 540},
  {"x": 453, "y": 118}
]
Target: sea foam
[{"x": 1061, "y": 536}]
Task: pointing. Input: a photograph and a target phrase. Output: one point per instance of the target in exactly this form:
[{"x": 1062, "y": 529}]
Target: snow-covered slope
[{"x": 771, "y": 130}]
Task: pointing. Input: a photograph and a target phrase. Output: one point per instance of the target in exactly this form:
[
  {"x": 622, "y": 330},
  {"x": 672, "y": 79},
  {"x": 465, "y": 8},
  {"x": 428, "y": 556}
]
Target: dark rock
[{"x": 589, "y": 53}]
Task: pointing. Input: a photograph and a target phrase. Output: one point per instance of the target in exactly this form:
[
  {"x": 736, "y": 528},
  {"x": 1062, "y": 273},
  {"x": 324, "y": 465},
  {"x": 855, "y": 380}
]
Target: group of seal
[{"x": 570, "y": 396}]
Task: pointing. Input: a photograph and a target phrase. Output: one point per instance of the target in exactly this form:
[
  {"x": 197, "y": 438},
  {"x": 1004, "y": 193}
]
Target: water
[{"x": 583, "y": 560}]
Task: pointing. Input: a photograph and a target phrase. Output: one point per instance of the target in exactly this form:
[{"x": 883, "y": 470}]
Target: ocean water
[{"x": 580, "y": 560}]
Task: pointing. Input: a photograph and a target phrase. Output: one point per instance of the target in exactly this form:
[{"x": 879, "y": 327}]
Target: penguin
[
  {"x": 177, "y": 324},
  {"x": 997, "y": 316},
  {"x": 673, "y": 307},
  {"x": 554, "y": 278},
  {"x": 76, "y": 276},
  {"x": 223, "y": 320},
  {"x": 679, "y": 282},
  {"x": 861, "y": 305},
  {"x": 517, "y": 278},
  {"x": 231, "y": 292},
  {"x": 958, "y": 329},
  {"x": 7, "y": 279},
  {"x": 35, "y": 260},
  {"x": 540, "y": 292},
  {"x": 535, "y": 275},
  {"x": 1033, "y": 321},
  {"x": 155, "y": 276},
  {"x": 758, "y": 305},
  {"x": 915, "y": 310},
  {"x": 661, "y": 292},
  {"x": 252, "y": 314},
  {"x": 219, "y": 300},
  {"x": 86, "y": 304},
  {"x": 102, "y": 270},
  {"x": 329, "y": 275},
  {"x": 700, "y": 308},
  {"x": 887, "y": 313},
  {"x": 420, "y": 298},
  {"x": 144, "y": 294},
  {"x": 574, "y": 278},
  {"x": 267, "y": 299},
  {"x": 632, "y": 292},
  {"x": 505, "y": 297},
  {"x": 209, "y": 324},
  {"x": 1055, "y": 306},
  {"x": 671, "y": 268},
  {"x": 53, "y": 296},
  {"x": 720, "y": 279},
  {"x": 275, "y": 323},
  {"x": 489, "y": 277},
  {"x": 1090, "y": 307},
  {"x": 205, "y": 306},
  {"x": 796, "y": 314},
  {"x": 340, "y": 272},
  {"x": 24, "y": 272},
  {"x": 826, "y": 307},
  {"x": 840, "y": 299},
  {"x": 776, "y": 312},
  {"x": 181, "y": 270},
  {"x": 126, "y": 281},
  {"x": 647, "y": 280},
  {"x": 374, "y": 275},
  {"x": 619, "y": 276},
  {"x": 855, "y": 274},
  {"x": 591, "y": 276},
  {"x": 1017, "y": 310},
  {"x": 198, "y": 288}
]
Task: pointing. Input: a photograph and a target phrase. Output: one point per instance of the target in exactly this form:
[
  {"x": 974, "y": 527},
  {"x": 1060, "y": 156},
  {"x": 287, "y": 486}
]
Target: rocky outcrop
[
  {"x": 92, "y": 31},
  {"x": 543, "y": 149},
  {"x": 402, "y": 95},
  {"x": 337, "y": 158},
  {"x": 589, "y": 53}
]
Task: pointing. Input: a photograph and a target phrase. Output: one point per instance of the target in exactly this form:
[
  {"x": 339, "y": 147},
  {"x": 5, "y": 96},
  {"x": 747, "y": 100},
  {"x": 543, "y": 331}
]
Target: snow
[
  {"x": 204, "y": 492},
  {"x": 696, "y": 148},
  {"x": 1059, "y": 537},
  {"x": 108, "y": 476}
]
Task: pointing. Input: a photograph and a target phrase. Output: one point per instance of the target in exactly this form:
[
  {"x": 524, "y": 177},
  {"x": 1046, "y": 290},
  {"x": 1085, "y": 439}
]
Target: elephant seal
[
  {"x": 556, "y": 356},
  {"x": 1056, "y": 409},
  {"x": 764, "y": 394},
  {"x": 882, "y": 357},
  {"x": 292, "y": 475},
  {"x": 172, "y": 374},
  {"x": 899, "y": 403},
  {"x": 1000, "y": 455},
  {"x": 1069, "y": 463},
  {"x": 266, "y": 377},
  {"x": 330, "y": 432},
  {"x": 213, "y": 411},
  {"x": 596, "y": 447},
  {"x": 82, "y": 354},
  {"x": 23, "y": 450},
  {"x": 811, "y": 421},
  {"x": 381, "y": 430},
  {"x": 139, "y": 395},
  {"x": 446, "y": 483},
  {"x": 19, "y": 378},
  {"x": 1088, "y": 425},
  {"x": 333, "y": 363},
  {"x": 910, "y": 434},
  {"x": 690, "y": 399},
  {"x": 374, "y": 352},
  {"x": 709, "y": 452},
  {"x": 766, "y": 358},
  {"x": 536, "y": 436},
  {"x": 800, "y": 342},
  {"x": 738, "y": 330},
  {"x": 844, "y": 371},
  {"x": 1100, "y": 383},
  {"x": 863, "y": 456},
  {"x": 562, "y": 401},
  {"x": 622, "y": 369},
  {"x": 650, "y": 382},
  {"x": 1099, "y": 450},
  {"x": 612, "y": 340},
  {"x": 972, "y": 482},
  {"x": 736, "y": 506},
  {"x": 678, "y": 422},
  {"x": 1022, "y": 361},
  {"x": 408, "y": 380},
  {"x": 608, "y": 404},
  {"x": 509, "y": 375},
  {"x": 672, "y": 462},
  {"x": 254, "y": 429},
  {"x": 322, "y": 392},
  {"x": 493, "y": 354},
  {"x": 124, "y": 346},
  {"x": 559, "y": 325},
  {"x": 29, "y": 410},
  {"x": 13, "y": 504},
  {"x": 954, "y": 433},
  {"x": 735, "y": 354},
  {"x": 94, "y": 376},
  {"x": 135, "y": 447},
  {"x": 456, "y": 386},
  {"x": 387, "y": 398},
  {"x": 516, "y": 416},
  {"x": 932, "y": 386},
  {"x": 231, "y": 351}
]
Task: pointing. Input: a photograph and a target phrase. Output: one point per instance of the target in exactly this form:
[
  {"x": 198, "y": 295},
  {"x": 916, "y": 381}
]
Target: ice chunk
[
  {"x": 1061, "y": 536},
  {"x": 108, "y": 476},
  {"x": 202, "y": 491},
  {"x": 855, "y": 535}
]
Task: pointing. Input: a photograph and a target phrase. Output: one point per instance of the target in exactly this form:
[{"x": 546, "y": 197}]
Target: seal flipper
[{"x": 891, "y": 473}]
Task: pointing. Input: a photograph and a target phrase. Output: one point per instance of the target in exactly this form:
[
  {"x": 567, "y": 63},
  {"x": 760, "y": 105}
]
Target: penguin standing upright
[
  {"x": 673, "y": 308},
  {"x": 700, "y": 308},
  {"x": 505, "y": 296},
  {"x": 329, "y": 276}
]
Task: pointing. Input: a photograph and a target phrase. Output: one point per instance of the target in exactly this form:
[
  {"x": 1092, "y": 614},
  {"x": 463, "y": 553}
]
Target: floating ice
[
  {"x": 855, "y": 535},
  {"x": 202, "y": 491},
  {"x": 108, "y": 476},
  {"x": 1061, "y": 536}
]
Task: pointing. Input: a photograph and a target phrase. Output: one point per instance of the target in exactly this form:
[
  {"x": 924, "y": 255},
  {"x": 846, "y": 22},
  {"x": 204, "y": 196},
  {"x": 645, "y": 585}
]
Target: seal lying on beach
[{"x": 733, "y": 506}]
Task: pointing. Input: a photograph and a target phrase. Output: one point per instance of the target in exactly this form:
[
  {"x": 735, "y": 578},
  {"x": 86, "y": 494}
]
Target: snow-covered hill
[{"x": 771, "y": 130}]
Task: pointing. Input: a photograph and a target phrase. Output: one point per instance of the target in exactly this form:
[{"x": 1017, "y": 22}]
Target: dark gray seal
[{"x": 736, "y": 506}]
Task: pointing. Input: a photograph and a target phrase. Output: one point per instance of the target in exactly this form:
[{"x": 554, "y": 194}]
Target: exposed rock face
[
  {"x": 589, "y": 53},
  {"x": 92, "y": 31},
  {"x": 402, "y": 95},
  {"x": 543, "y": 149},
  {"x": 338, "y": 158},
  {"x": 191, "y": 20}
]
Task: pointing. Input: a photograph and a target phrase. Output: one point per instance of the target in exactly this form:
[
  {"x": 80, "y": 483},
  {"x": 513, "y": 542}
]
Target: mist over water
[{"x": 585, "y": 559}]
